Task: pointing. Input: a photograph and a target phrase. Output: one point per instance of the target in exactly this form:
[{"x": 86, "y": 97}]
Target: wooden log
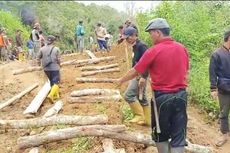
[
  {"x": 109, "y": 147},
  {"x": 67, "y": 133},
  {"x": 90, "y": 54},
  {"x": 53, "y": 120},
  {"x": 90, "y": 68},
  {"x": 87, "y": 99},
  {"x": 72, "y": 54},
  {"x": 25, "y": 70},
  {"x": 95, "y": 80},
  {"x": 99, "y": 71},
  {"x": 38, "y": 100},
  {"x": 54, "y": 110},
  {"x": 94, "y": 91},
  {"x": 107, "y": 131},
  {"x": 88, "y": 61},
  {"x": 68, "y": 62},
  {"x": 34, "y": 150},
  {"x": 18, "y": 96}
]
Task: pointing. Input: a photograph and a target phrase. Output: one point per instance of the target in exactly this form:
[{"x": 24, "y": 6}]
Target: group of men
[
  {"x": 103, "y": 38},
  {"x": 167, "y": 63}
]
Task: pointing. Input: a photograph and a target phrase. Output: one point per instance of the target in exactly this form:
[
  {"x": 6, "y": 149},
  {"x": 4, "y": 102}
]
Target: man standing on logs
[
  {"x": 49, "y": 56},
  {"x": 168, "y": 64},
  {"x": 137, "y": 86}
]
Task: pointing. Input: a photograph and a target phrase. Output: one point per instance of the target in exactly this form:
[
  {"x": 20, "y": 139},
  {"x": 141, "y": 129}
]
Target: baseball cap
[
  {"x": 129, "y": 31},
  {"x": 158, "y": 23},
  {"x": 51, "y": 38}
]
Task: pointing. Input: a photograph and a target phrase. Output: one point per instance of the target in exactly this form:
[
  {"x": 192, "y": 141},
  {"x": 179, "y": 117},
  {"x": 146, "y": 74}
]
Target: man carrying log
[
  {"x": 168, "y": 64},
  {"x": 137, "y": 86},
  {"x": 49, "y": 56}
]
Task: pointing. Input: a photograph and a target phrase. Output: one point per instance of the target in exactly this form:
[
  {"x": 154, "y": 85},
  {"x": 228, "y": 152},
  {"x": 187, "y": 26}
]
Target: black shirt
[
  {"x": 219, "y": 66},
  {"x": 139, "y": 49}
]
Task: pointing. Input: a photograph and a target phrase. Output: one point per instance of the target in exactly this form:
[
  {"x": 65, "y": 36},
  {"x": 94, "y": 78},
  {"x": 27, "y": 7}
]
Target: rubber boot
[
  {"x": 138, "y": 113},
  {"x": 147, "y": 113},
  {"x": 53, "y": 91},
  {"x": 56, "y": 95},
  {"x": 177, "y": 150},
  {"x": 163, "y": 147},
  {"x": 20, "y": 56}
]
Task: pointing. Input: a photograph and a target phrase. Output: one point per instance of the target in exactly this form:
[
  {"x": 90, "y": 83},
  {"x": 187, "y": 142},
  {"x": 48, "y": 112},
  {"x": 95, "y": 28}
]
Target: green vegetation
[
  {"x": 127, "y": 112},
  {"x": 199, "y": 26},
  {"x": 60, "y": 18}
]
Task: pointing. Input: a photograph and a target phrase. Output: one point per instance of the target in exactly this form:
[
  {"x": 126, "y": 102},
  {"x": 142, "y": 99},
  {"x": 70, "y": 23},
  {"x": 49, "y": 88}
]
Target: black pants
[
  {"x": 54, "y": 77},
  {"x": 172, "y": 117}
]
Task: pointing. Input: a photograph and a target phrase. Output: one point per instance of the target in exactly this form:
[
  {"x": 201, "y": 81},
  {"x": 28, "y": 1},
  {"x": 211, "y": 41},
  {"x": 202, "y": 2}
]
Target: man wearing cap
[
  {"x": 168, "y": 63},
  {"x": 220, "y": 85},
  {"x": 49, "y": 57},
  {"x": 80, "y": 32},
  {"x": 137, "y": 86},
  {"x": 19, "y": 44},
  {"x": 101, "y": 32}
]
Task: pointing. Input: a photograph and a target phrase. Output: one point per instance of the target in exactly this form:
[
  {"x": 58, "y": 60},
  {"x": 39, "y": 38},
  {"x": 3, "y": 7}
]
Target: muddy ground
[{"x": 200, "y": 129}]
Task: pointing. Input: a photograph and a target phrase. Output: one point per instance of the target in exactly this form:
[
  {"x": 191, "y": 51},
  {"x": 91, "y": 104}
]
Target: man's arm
[
  {"x": 212, "y": 72},
  {"x": 132, "y": 73}
]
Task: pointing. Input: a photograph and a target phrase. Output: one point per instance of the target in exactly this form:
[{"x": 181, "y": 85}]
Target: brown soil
[{"x": 200, "y": 130}]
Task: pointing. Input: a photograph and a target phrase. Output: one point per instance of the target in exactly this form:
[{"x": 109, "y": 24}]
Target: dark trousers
[
  {"x": 54, "y": 77},
  {"x": 224, "y": 101},
  {"x": 102, "y": 44},
  {"x": 172, "y": 117}
]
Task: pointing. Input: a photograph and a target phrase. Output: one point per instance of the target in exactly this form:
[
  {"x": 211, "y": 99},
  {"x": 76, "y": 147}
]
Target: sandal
[{"x": 221, "y": 142}]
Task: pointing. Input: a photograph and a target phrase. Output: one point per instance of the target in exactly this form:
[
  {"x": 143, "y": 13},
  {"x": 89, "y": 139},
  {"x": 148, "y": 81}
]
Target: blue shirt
[
  {"x": 80, "y": 30},
  {"x": 30, "y": 44}
]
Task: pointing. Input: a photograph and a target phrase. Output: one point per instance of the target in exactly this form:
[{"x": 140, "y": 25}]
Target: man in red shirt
[{"x": 168, "y": 63}]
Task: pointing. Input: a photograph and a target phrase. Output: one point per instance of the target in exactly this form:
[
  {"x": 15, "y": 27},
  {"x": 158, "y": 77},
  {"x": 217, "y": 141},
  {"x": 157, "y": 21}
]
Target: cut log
[
  {"x": 87, "y": 99},
  {"x": 25, "y": 70},
  {"x": 34, "y": 150},
  {"x": 54, "y": 110},
  {"x": 99, "y": 71},
  {"x": 72, "y": 54},
  {"x": 38, "y": 100},
  {"x": 94, "y": 91},
  {"x": 108, "y": 131},
  {"x": 68, "y": 62},
  {"x": 90, "y": 54},
  {"x": 90, "y": 68},
  {"x": 95, "y": 80},
  {"x": 17, "y": 97},
  {"x": 109, "y": 147},
  {"x": 68, "y": 133},
  {"x": 53, "y": 120},
  {"x": 88, "y": 61}
]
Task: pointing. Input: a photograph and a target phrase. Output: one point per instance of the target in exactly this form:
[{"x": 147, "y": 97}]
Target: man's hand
[
  {"x": 141, "y": 83},
  {"x": 214, "y": 95},
  {"x": 118, "y": 83}
]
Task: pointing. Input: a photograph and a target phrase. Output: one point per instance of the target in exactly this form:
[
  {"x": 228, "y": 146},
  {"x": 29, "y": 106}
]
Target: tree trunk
[
  {"x": 88, "y": 61},
  {"x": 37, "y": 101},
  {"x": 94, "y": 99},
  {"x": 94, "y": 91},
  {"x": 90, "y": 54},
  {"x": 99, "y": 71},
  {"x": 90, "y": 68},
  {"x": 17, "y": 97},
  {"x": 68, "y": 133},
  {"x": 25, "y": 70},
  {"x": 54, "y": 110},
  {"x": 95, "y": 80},
  {"x": 53, "y": 120},
  {"x": 34, "y": 150},
  {"x": 108, "y": 131},
  {"x": 109, "y": 147}
]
